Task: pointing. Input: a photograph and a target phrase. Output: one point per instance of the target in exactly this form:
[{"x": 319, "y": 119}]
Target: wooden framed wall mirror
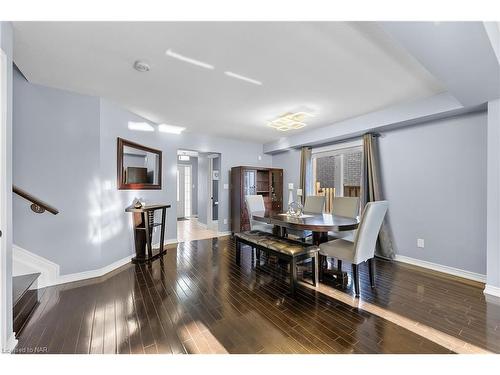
[{"x": 139, "y": 167}]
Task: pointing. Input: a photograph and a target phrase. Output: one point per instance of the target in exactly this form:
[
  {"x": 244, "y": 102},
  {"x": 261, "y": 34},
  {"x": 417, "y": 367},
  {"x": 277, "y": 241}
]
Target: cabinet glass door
[
  {"x": 276, "y": 189},
  {"x": 250, "y": 182}
]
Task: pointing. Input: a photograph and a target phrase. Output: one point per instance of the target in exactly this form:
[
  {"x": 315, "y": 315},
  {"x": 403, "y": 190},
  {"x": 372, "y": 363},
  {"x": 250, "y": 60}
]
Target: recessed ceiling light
[
  {"x": 189, "y": 60},
  {"x": 142, "y": 66},
  {"x": 141, "y": 126},
  {"x": 164, "y": 128},
  {"x": 243, "y": 78},
  {"x": 289, "y": 121}
]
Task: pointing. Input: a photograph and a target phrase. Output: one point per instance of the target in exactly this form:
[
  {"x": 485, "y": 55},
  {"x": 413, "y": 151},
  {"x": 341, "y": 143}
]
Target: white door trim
[{"x": 7, "y": 339}]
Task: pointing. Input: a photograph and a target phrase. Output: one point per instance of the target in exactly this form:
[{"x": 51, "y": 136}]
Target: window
[{"x": 337, "y": 171}]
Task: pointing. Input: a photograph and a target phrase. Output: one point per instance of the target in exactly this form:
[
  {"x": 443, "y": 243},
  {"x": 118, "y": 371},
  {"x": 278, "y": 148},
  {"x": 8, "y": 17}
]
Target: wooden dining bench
[{"x": 283, "y": 248}]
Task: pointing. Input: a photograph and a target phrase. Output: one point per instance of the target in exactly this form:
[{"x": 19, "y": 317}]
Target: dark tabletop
[
  {"x": 310, "y": 221},
  {"x": 147, "y": 208}
]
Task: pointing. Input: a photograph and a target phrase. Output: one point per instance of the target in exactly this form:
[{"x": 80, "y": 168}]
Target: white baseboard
[
  {"x": 63, "y": 279},
  {"x": 104, "y": 270},
  {"x": 24, "y": 261},
  {"x": 11, "y": 344},
  {"x": 492, "y": 290},
  {"x": 441, "y": 268},
  {"x": 168, "y": 241}
]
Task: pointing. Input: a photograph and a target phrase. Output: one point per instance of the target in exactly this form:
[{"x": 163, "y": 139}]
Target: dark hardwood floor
[{"x": 196, "y": 300}]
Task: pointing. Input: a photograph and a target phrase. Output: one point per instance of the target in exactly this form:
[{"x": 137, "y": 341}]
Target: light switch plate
[
  {"x": 420, "y": 242},
  {"x": 225, "y": 221},
  {"x": 226, "y": 186}
]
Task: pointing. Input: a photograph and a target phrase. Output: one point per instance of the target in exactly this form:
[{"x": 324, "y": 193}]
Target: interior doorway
[
  {"x": 197, "y": 195},
  {"x": 184, "y": 191},
  {"x": 213, "y": 185}
]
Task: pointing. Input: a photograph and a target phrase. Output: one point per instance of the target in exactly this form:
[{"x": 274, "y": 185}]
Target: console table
[{"x": 143, "y": 225}]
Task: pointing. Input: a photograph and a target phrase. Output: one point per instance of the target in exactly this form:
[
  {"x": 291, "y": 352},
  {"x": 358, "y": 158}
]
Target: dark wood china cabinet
[{"x": 245, "y": 180}]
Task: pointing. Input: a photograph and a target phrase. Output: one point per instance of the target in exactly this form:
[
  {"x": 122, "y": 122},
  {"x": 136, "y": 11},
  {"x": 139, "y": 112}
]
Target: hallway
[{"x": 191, "y": 229}]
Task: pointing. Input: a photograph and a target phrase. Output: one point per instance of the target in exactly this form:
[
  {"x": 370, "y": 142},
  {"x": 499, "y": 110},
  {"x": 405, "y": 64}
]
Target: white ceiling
[{"x": 336, "y": 70}]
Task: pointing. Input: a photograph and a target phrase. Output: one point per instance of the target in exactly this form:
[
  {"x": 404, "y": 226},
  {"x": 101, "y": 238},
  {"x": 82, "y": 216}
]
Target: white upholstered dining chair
[
  {"x": 363, "y": 247},
  {"x": 345, "y": 206},
  {"x": 255, "y": 203},
  {"x": 348, "y": 207},
  {"x": 314, "y": 204}
]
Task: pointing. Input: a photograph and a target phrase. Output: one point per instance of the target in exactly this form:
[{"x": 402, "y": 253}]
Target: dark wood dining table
[{"x": 318, "y": 224}]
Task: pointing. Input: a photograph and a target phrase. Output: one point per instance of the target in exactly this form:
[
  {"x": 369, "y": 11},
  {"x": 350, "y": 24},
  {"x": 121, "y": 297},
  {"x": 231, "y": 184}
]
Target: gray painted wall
[
  {"x": 493, "y": 195},
  {"x": 56, "y": 158},
  {"x": 434, "y": 177},
  {"x": 193, "y": 162},
  {"x": 65, "y": 153},
  {"x": 290, "y": 162},
  {"x": 6, "y": 44}
]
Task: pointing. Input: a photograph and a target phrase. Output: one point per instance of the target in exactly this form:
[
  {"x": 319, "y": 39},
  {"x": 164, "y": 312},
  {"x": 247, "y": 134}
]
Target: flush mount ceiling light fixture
[
  {"x": 290, "y": 121},
  {"x": 172, "y": 129},
  {"x": 142, "y": 66},
  {"x": 243, "y": 78},
  {"x": 140, "y": 126},
  {"x": 188, "y": 60}
]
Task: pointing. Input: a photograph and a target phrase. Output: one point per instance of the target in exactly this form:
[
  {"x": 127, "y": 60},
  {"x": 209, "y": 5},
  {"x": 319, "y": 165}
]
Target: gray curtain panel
[
  {"x": 371, "y": 190},
  {"x": 306, "y": 172}
]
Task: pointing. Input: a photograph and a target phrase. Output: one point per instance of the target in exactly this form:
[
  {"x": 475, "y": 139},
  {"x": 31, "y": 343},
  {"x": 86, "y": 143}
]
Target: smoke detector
[{"x": 141, "y": 66}]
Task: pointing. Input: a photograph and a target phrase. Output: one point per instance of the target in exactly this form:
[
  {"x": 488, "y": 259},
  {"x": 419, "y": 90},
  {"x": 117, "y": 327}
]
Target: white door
[{"x": 184, "y": 190}]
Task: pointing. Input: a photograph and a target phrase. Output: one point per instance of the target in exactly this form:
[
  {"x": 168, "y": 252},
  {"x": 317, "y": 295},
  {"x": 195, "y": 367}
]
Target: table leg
[
  {"x": 162, "y": 235},
  {"x": 315, "y": 275},
  {"x": 319, "y": 238},
  {"x": 148, "y": 235},
  {"x": 238, "y": 252}
]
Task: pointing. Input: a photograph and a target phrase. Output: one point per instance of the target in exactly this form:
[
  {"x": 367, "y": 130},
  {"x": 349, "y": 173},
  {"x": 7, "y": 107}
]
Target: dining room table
[{"x": 318, "y": 224}]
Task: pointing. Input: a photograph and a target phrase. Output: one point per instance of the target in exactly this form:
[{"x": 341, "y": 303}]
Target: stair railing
[{"x": 37, "y": 205}]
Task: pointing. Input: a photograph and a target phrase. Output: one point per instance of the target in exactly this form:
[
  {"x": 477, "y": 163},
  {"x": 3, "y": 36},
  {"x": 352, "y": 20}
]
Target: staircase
[
  {"x": 25, "y": 298},
  {"x": 25, "y": 294}
]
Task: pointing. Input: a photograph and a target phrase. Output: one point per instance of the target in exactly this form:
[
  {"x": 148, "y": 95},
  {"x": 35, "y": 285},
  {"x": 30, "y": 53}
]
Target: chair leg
[
  {"x": 293, "y": 275},
  {"x": 371, "y": 270},
  {"x": 355, "y": 278},
  {"x": 258, "y": 256},
  {"x": 339, "y": 265},
  {"x": 322, "y": 263},
  {"x": 315, "y": 275},
  {"x": 238, "y": 253}
]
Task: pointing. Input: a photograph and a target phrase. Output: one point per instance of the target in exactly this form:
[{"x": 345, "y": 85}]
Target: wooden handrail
[{"x": 37, "y": 205}]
